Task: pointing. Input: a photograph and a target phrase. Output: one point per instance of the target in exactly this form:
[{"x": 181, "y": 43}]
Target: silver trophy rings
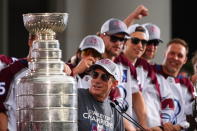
[{"x": 46, "y": 97}]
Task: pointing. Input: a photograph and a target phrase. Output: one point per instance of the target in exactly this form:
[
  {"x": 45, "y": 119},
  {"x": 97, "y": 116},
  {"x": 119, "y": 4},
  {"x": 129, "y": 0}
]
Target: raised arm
[{"x": 140, "y": 12}]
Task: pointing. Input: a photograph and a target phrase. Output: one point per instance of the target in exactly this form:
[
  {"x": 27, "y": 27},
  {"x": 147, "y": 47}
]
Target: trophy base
[{"x": 46, "y": 126}]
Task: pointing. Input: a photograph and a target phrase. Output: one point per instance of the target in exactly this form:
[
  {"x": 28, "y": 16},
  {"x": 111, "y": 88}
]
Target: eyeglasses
[
  {"x": 153, "y": 42},
  {"x": 137, "y": 40},
  {"x": 114, "y": 38},
  {"x": 104, "y": 77}
]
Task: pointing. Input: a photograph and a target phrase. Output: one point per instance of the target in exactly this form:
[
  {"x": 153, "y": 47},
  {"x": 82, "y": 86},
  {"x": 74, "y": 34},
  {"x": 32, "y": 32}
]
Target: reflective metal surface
[
  {"x": 45, "y": 23},
  {"x": 46, "y": 98}
]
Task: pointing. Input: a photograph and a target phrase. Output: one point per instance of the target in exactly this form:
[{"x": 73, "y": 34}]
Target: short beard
[{"x": 110, "y": 53}]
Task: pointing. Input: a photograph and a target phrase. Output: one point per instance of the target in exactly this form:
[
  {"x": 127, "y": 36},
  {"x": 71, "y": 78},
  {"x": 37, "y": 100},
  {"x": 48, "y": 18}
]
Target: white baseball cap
[
  {"x": 153, "y": 30},
  {"x": 109, "y": 66},
  {"x": 94, "y": 42},
  {"x": 114, "y": 26},
  {"x": 132, "y": 29}
]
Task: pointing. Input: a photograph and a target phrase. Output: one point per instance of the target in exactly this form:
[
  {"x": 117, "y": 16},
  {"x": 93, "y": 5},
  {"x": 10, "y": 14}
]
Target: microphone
[
  {"x": 136, "y": 123},
  {"x": 130, "y": 120},
  {"x": 112, "y": 105},
  {"x": 124, "y": 105}
]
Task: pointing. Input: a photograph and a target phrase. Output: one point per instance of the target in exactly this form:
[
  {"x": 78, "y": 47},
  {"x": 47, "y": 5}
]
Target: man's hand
[
  {"x": 67, "y": 69},
  {"x": 155, "y": 129},
  {"x": 3, "y": 122},
  {"x": 170, "y": 127},
  {"x": 140, "y": 12},
  {"x": 84, "y": 64}
]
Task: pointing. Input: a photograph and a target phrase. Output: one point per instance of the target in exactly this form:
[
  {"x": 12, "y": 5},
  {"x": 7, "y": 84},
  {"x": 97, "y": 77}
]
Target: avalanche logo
[{"x": 167, "y": 104}]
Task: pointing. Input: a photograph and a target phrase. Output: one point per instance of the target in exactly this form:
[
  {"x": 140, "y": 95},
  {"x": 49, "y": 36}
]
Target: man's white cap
[
  {"x": 154, "y": 31},
  {"x": 109, "y": 66},
  {"x": 133, "y": 28},
  {"x": 93, "y": 42},
  {"x": 114, "y": 26}
]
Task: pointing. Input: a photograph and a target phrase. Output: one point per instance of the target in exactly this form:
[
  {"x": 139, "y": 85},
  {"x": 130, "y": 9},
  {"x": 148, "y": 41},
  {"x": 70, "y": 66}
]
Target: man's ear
[
  {"x": 115, "y": 84},
  {"x": 185, "y": 60},
  {"x": 101, "y": 35}
]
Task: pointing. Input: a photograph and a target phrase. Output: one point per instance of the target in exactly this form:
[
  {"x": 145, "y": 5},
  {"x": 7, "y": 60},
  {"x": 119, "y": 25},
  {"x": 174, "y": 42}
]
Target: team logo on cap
[
  {"x": 105, "y": 61},
  {"x": 153, "y": 29},
  {"x": 92, "y": 41},
  {"x": 117, "y": 23}
]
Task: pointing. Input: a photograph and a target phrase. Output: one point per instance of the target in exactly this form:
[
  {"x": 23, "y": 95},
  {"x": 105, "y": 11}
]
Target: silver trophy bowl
[
  {"x": 46, "y": 98},
  {"x": 45, "y": 23}
]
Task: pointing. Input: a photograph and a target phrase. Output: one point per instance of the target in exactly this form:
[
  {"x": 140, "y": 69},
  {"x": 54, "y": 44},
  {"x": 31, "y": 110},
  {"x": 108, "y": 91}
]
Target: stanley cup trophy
[{"x": 46, "y": 98}]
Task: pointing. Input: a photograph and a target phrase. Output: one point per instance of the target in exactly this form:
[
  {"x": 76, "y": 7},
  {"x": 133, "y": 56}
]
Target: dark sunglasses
[
  {"x": 103, "y": 77},
  {"x": 137, "y": 40},
  {"x": 153, "y": 42},
  {"x": 114, "y": 38}
]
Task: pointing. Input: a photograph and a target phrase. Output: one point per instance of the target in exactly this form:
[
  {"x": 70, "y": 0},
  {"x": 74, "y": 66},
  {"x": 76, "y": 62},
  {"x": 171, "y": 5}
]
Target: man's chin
[
  {"x": 150, "y": 58},
  {"x": 115, "y": 54},
  {"x": 173, "y": 70},
  {"x": 150, "y": 55}
]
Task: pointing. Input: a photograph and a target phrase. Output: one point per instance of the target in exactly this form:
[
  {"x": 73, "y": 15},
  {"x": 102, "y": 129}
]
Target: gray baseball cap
[
  {"x": 109, "y": 66},
  {"x": 94, "y": 42},
  {"x": 132, "y": 29},
  {"x": 114, "y": 26},
  {"x": 154, "y": 31}
]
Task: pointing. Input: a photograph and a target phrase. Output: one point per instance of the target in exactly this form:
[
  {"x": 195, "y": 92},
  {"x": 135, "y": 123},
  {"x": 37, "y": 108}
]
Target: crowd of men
[{"x": 116, "y": 77}]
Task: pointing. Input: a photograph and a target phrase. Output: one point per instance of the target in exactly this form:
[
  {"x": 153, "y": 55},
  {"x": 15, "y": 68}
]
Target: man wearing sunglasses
[
  {"x": 114, "y": 34},
  {"x": 133, "y": 50},
  {"x": 94, "y": 110},
  {"x": 153, "y": 42}
]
